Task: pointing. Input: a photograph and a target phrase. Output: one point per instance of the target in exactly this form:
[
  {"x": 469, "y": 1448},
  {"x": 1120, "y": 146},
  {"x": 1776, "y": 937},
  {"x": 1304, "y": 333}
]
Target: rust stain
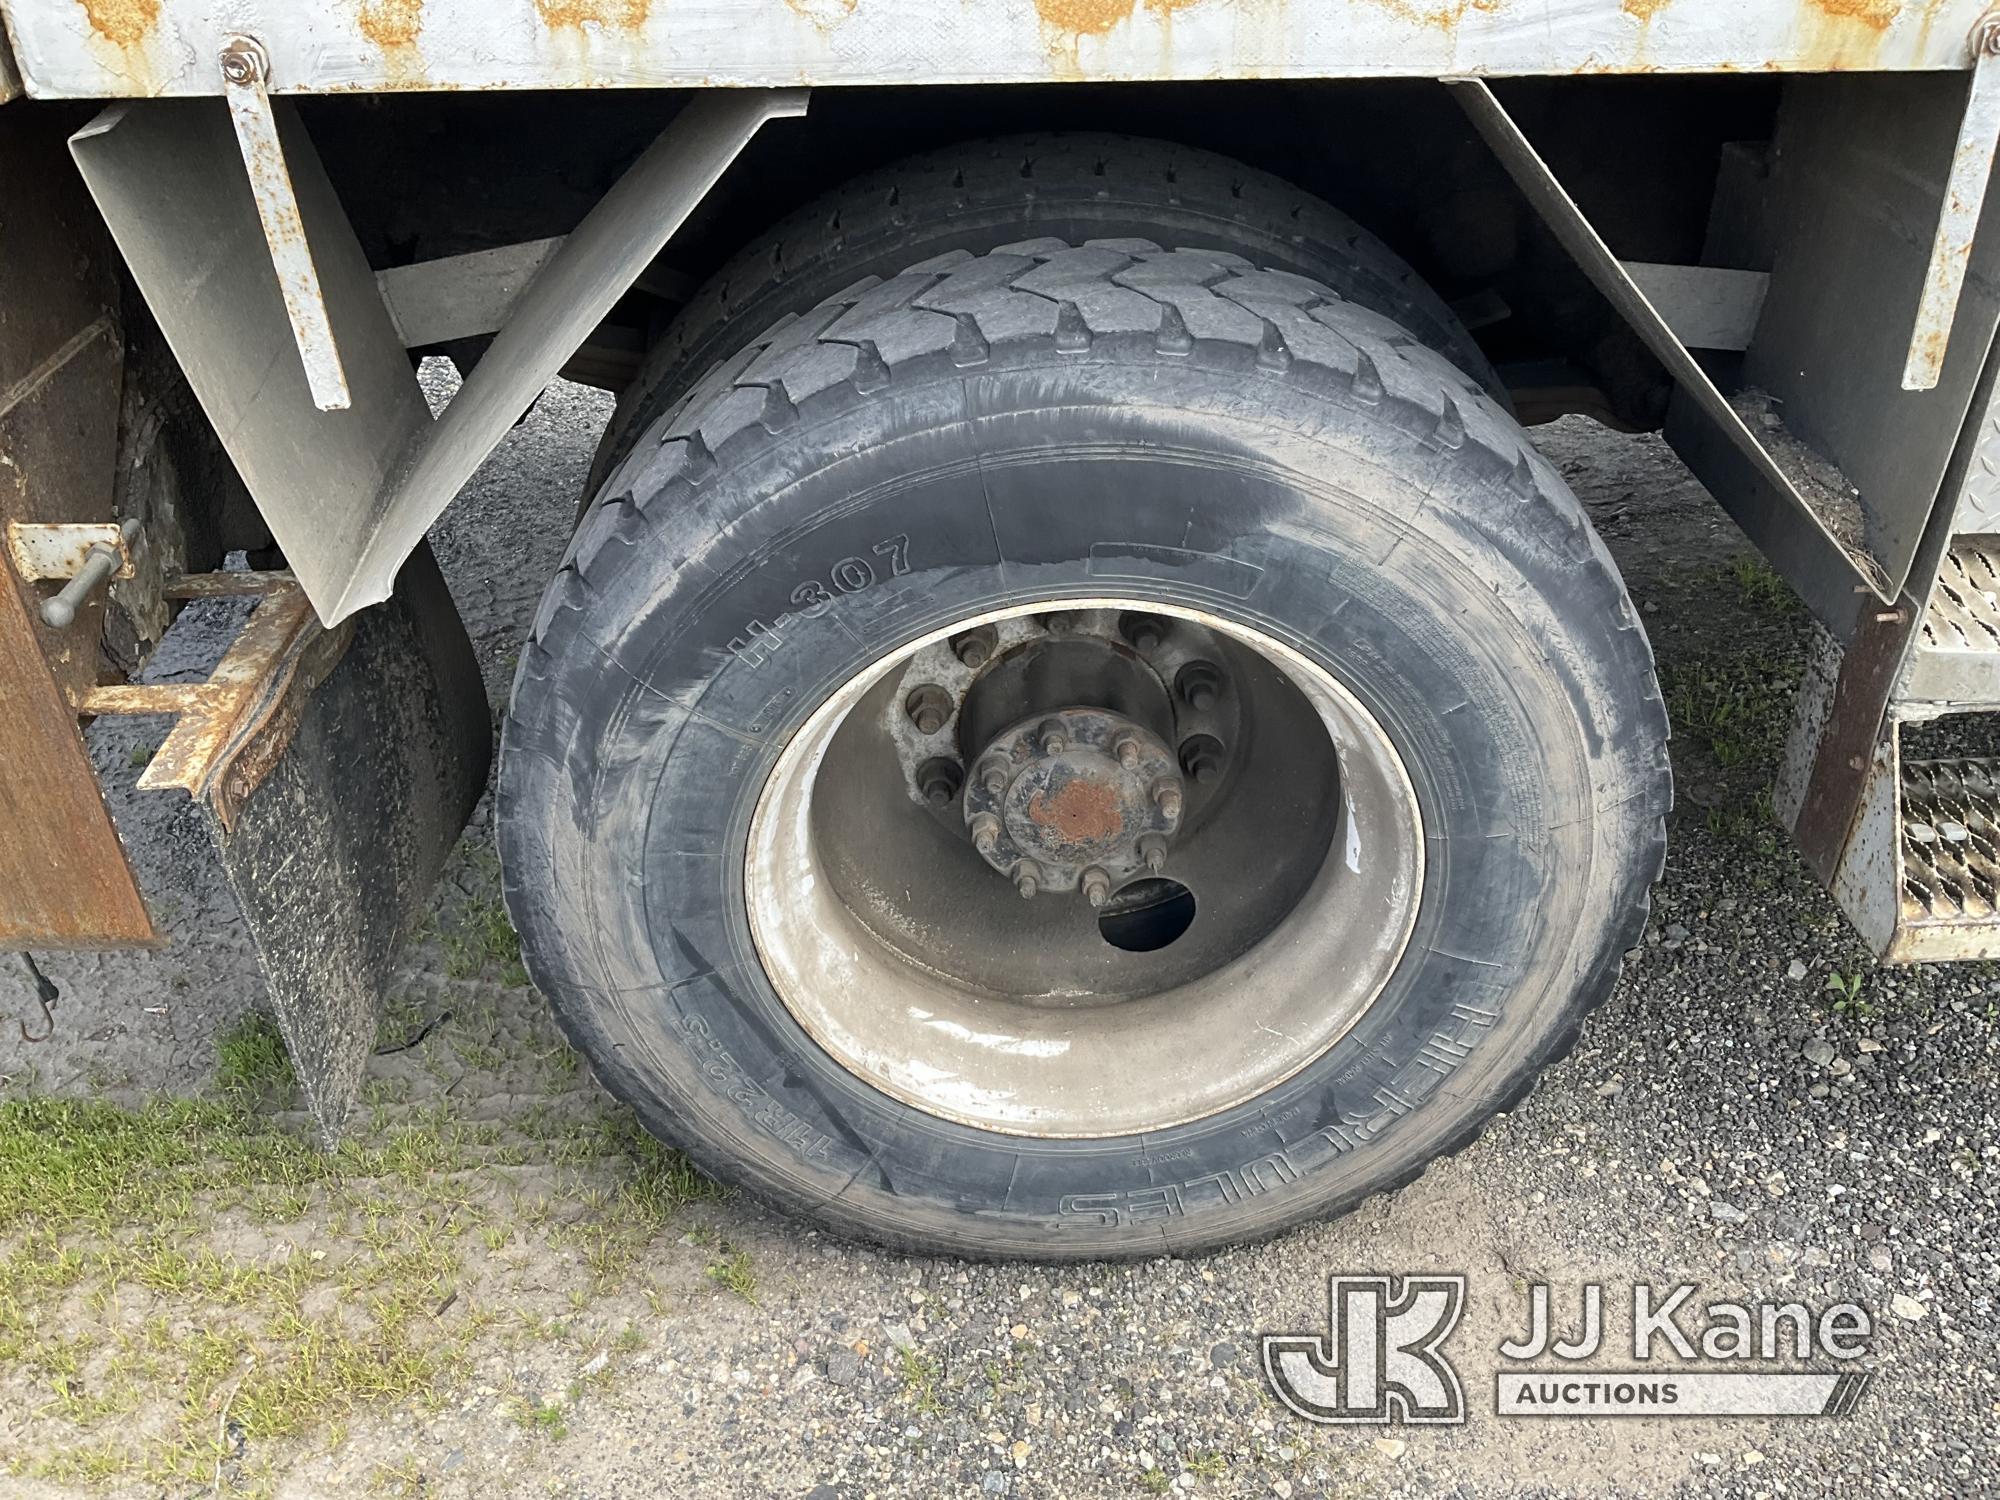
[
  {"x": 1084, "y": 17},
  {"x": 1066, "y": 23},
  {"x": 825, "y": 14},
  {"x": 126, "y": 23},
  {"x": 1447, "y": 15},
  {"x": 1081, "y": 811},
  {"x": 391, "y": 24},
  {"x": 1643, "y": 10},
  {"x": 625, "y": 15},
  {"x": 1096, "y": 17},
  {"x": 1874, "y": 14}
]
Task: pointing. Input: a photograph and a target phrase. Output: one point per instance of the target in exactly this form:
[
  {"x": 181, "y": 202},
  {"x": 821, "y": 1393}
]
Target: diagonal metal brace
[
  {"x": 1567, "y": 222},
  {"x": 349, "y": 494}
]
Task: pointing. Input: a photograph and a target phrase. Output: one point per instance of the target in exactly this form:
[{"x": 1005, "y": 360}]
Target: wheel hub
[
  {"x": 1081, "y": 798},
  {"x": 891, "y": 928}
]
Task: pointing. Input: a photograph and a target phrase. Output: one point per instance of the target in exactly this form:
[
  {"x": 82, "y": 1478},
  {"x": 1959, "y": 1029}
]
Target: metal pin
[{"x": 59, "y": 612}]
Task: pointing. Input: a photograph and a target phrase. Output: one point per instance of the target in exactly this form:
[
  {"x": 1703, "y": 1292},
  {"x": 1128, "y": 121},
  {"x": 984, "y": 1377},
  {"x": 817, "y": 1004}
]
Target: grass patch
[
  {"x": 251, "y": 1061},
  {"x": 1848, "y": 999},
  {"x": 733, "y": 1270},
  {"x": 1739, "y": 708},
  {"x": 84, "y": 1164},
  {"x": 479, "y": 942},
  {"x": 1207, "y": 1465},
  {"x": 153, "y": 1313},
  {"x": 1764, "y": 590},
  {"x": 549, "y": 1418},
  {"x": 920, "y": 1381},
  {"x": 483, "y": 942}
]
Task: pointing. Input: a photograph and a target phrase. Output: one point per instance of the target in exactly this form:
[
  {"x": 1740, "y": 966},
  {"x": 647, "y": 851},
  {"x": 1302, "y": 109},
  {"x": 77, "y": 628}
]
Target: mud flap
[{"x": 339, "y": 813}]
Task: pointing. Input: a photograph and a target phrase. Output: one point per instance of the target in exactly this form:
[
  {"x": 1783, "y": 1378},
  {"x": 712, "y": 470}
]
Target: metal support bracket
[
  {"x": 1800, "y": 527},
  {"x": 42, "y": 550},
  {"x": 245, "y": 76},
  {"x": 1958, "y": 214},
  {"x": 278, "y": 657},
  {"x": 461, "y": 296},
  {"x": 349, "y": 494}
]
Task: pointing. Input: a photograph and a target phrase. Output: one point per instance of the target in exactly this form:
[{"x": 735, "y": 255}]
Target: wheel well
[{"x": 1398, "y": 155}]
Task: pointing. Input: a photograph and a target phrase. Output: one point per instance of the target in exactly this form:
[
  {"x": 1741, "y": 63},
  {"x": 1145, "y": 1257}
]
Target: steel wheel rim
[{"x": 1066, "y": 1065}]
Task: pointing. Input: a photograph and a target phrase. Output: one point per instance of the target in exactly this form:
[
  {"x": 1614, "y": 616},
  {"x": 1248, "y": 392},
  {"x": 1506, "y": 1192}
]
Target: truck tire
[
  {"x": 1241, "y": 623},
  {"x": 975, "y": 195}
]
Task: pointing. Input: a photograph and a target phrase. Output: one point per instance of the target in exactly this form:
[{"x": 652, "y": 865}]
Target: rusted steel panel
[
  {"x": 230, "y": 728},
  {"x": 61, "y": 365},
  {"x": 64, "y": 882},
  {"x": 282, "y": 652},
  {"x": 107, "y": 48}
]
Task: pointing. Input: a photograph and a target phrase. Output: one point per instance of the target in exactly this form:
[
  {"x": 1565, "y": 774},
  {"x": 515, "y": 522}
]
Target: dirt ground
[{"x": 500, "y": 1289}]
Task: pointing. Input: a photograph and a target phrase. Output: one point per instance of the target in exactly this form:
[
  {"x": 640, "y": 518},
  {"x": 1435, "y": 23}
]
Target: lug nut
[
  {"x": 1096, "y": 886},
  {"x": 994, "y": 779},
  {"x": 1199, "y": 684},
  {"x": 985, "y": 833},
  {"x": 939, "y": 779},
  {"x": 1026, "y": 881},
  {"x": 1167, "y": 797},
  {"x": 1144, "y": 632},
  {"x": 974, "y": 647},
  {"x": 1201, "y": 758},
  {"x": 929, "y": 707},
  {"x": 1153, "y": 850},
  {"x": 1054, "y": 737},
  {"x": 1127, "y": 751}
]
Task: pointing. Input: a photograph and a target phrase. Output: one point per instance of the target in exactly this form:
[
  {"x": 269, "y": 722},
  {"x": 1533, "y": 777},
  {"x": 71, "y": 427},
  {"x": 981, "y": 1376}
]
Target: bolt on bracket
[
  {"x": 245, "y": 84},
  {"x": 229, "y": 729},
  {"x": 1958, "y": 213},
  {"x": 42, "y": 551}
]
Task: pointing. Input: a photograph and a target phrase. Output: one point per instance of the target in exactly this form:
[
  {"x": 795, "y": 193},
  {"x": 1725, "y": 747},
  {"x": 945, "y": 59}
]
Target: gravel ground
[{"x": 1727, "y": 1118}]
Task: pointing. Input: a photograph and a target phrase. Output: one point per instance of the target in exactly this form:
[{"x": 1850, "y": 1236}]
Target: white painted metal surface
[
  {"x": 460, "y": 296},
  {"x": 1958, "y": 215},
  {"x": 169, "y": 181},
  {"x": 349, "y": 494},
  {"x": 103, "y": 48},
  {"x": 1611, "y": 277},
  {"x": 564, "y": 303},
  {"x": 243, "y": 67}
]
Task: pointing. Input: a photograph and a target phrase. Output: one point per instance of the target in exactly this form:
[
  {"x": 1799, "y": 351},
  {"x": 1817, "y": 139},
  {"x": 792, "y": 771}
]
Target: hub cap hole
[{"x": 1147, "y": 915}]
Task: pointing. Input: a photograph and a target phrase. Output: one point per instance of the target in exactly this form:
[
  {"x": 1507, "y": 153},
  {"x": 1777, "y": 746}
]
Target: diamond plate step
[
  {"x": 1948, "y": 861},
  {"x": 1957, "y": 658}
]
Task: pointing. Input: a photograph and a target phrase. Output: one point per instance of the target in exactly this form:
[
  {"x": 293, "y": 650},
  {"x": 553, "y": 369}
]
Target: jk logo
[{"x": 1380, "y": 1360}]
